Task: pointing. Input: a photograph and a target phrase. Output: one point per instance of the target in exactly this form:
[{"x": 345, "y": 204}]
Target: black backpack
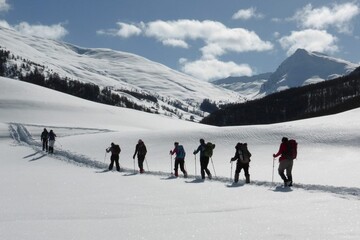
[
  {"x": 208, "y": 152},
  {"x": 116, "y": 149},
  {"x": 142, "y": 149},
  {"x": 245, "y": 153}
]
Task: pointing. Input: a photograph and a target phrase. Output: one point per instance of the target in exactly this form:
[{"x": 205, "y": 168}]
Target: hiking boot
[
  {"x": 210, "y": 176},
  {"x": 287, "y": 183},
  {"x": 176, "y": 174},
  {"x": 142, "y": 171},
  {"x": 185, "y": 174},
  {"x": 247, "y": 179}
]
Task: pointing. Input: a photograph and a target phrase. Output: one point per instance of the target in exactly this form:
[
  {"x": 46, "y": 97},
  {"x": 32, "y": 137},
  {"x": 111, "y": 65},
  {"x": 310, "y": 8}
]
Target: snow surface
[{"x": 67, "y": 195}]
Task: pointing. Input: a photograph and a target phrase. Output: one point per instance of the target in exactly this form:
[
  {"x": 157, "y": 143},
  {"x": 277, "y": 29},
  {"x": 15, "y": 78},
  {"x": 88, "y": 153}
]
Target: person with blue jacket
[{"x": 179, "y": 159}]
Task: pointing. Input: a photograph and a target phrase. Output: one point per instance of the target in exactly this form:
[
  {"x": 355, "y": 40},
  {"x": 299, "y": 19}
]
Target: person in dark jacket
[
  {"x": 141, "y": 151},
  {"x": 51, "y": 138},
  {"x": 115, "y": 151},
  {"x": 285, "y": 163},
  {"x": 242, "y": 155},
  {"x": 179, "y": 159},
  {"x": 44, "y": 140},
  {"x": 204, "y": 160}
]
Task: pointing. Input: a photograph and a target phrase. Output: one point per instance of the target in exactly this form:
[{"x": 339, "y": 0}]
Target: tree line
[
  {"x": 33, "y": 73},
  {"x": 328, "y": 97}
]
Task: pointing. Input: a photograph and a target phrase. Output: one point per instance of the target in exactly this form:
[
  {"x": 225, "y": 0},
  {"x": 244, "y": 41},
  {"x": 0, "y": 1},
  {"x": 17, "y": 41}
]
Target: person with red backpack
[
  {"x": 115, "y": 151},
  {"x": 288, "y": 153},
  {"x": 179, "y": 159}
]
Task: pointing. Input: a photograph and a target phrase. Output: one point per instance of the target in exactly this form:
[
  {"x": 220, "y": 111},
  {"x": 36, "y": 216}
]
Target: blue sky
[{"x": 208, "y": 39}]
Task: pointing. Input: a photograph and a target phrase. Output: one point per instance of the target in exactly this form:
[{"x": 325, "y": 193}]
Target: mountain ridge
[{"x": 299, "y": 69}]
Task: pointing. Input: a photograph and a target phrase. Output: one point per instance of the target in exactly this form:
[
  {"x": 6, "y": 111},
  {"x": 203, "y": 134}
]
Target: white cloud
[
  {"x": 218, "y": 39},
  {"x": 311, "y": 40},
  {"x": 276, "y": 34},
  {"x": 56, "y": 31},
  {"x": 276, "y": 20},
  {"x": 339, "y": 16},
  {"x": 212, "y": 69},
  {"x": 175, "y": 43},
  {"x": 4, "y": 6},
  {"x": 5, "y": 24},
  {"x": 246, "y": 14},
  {"x": 125, "y": 30},
  {"x": 181, "y": 29}
]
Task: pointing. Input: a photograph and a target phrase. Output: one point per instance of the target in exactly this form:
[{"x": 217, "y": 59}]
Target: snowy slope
[
  {"x": 68, "y": 195},
  {"x": 119, "y": 70}
]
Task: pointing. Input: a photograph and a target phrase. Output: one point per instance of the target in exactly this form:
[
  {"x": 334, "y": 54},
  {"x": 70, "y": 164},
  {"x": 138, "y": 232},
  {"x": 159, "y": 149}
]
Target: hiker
[
  {"x": 204, "y": 150},
  {"x": 51, "y": 137},
  {"x": 141, "y": 151},
  {"x": 44, "y": 140},
  {"x": 285, "y": 162},
  {"x": 242, "y": 155},
  {"x": 115, "y": 151},
  {"x": 179, "y": 159}
]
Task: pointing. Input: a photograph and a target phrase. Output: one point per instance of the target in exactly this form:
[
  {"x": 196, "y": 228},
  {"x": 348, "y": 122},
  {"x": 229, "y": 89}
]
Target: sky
[{"x": 207, "y": 39}]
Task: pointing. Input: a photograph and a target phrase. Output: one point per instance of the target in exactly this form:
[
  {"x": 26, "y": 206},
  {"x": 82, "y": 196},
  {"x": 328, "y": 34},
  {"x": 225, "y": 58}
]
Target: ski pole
[
  {"x": 134, "y": 164},
  {"x": 231, "y": 171},
  {"x": 272, "y": 179},
  {"x": 195, "y": 166},
  {"x": 213, "y": 166},
  {"x": 105, "y": 156},
  {"x": 171, "y": 168},
  {"x": 59, "y": 143},
  {"x": 147, "y": 164}
]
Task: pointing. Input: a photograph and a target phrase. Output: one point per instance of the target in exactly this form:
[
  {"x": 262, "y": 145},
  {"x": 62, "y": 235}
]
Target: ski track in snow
[{"x": 22, "y": 136}]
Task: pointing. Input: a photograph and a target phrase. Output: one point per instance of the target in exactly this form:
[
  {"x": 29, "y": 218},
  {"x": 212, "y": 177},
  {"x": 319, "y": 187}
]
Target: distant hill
[
  {"x": 324, "y": 98},
  {"x": 248, "y": 87}
]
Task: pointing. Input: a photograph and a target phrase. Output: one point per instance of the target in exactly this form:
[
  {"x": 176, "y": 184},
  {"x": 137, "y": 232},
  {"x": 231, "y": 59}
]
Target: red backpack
[{"x": 291, "y": 152}]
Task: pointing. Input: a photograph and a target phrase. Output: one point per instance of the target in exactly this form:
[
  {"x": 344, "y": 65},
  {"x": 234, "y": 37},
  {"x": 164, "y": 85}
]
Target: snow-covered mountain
[
  {"x": 303, "y": 68},
  {"x": 249, "y": 87},
  {"x": 118, "y": 70}
]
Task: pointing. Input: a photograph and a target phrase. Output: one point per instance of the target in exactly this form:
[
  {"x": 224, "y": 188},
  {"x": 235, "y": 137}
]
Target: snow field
[{"x": 68, "y": 195}]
